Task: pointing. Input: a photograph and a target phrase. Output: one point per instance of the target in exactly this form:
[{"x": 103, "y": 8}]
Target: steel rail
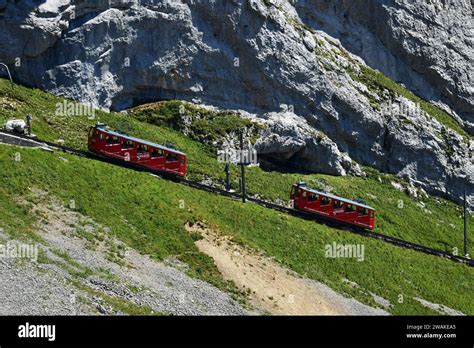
[{"x": 290, "y": 211}]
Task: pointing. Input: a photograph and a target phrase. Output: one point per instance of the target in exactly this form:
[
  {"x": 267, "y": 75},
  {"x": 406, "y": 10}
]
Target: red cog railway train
[
  {"x": 333, "y": 207},
  {"x": 157, "y": 157},
  {"x": 116, "y": 145}
]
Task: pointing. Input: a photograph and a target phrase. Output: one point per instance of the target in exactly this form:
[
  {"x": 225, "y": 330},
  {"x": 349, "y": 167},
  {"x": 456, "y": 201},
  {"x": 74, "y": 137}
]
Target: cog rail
[{"x": 283, "y": 209}]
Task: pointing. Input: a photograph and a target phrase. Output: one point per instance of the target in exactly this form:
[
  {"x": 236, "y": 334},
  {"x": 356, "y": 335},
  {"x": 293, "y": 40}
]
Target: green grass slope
[
  {"x": 147, "y": 214},
  {"x": 439, "y": 224}
]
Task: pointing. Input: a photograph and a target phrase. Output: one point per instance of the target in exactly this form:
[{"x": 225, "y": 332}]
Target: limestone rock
[{"x": 256, "y": 55}]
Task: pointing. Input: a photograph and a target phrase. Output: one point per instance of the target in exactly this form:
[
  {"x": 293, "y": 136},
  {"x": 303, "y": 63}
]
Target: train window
[
  {"x": 350, "y": 208},
  {"x": 313, "y": 197},
  {"x": 305, "y": 194},
  {"x": 127, "y": 144},
  {"x": 337, "y": 204},
  {"x": 101, "y": 136},
  {"x": 112, "y": 140},
  {"x": 371, "y": 214},
  {"x": 363, "y": 212},
  {"x": 141, "y": 148},
  {"x": 157, "y": 153},
  {"x": 325, "y": 201},
  {"x": 181, "y": 160},
  {"x": 171, "y": 157}
]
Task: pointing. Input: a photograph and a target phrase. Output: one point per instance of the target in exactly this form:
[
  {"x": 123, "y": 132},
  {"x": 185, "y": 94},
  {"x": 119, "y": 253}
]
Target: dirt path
[{"x": 271, "y": 287}]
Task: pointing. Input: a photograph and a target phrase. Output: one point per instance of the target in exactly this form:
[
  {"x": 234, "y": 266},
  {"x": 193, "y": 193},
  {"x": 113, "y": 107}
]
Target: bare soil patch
[{"x": 271, "y": 287}]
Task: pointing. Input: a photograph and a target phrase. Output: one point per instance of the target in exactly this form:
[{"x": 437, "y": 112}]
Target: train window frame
[
  {"x": 325, "y": 201},
  {"x": 171, "y": 157},
  {"x": 157, "y": 153},
  {"x": 350, "y": 208},
  {"x": 127, "y": 145},
  {"x": 112, "y": 140}
]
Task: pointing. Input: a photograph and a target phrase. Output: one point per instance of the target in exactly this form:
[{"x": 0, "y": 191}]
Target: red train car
[
  {"x": 112, "y": 144},
  {"x": 333, "y": 207}
]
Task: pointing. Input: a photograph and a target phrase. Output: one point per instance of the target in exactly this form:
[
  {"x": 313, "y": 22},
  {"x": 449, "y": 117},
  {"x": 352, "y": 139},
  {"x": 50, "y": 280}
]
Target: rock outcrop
[
  {"x": 427, "y": 45},
  {"x": 255, "y": 55},
  {"x": 294, "y": 143}
]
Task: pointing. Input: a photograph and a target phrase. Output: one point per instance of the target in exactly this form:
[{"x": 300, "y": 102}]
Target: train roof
[
  {"x": 338, "y": 198},
  {"x": 141, "y": 141}
]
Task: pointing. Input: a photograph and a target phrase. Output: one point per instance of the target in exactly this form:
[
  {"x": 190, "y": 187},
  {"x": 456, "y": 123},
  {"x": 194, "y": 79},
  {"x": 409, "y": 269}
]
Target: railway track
[{"x": 290, "y": 211}]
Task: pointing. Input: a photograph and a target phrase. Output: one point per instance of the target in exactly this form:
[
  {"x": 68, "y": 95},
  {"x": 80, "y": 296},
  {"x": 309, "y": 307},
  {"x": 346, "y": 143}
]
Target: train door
[
  {"x": 363, "y": 216},
  {"x": 172, "y": 161},
  {"x": 303, "y": 198},
  {"x": 182, "y": 164},
  {"x": 371, "y": 219}
]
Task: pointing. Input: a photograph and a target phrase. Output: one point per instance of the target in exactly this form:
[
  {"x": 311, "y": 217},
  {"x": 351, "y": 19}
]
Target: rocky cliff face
[
  {"x": 263, "y": 57},
  {"x": 427, "y": 45}
]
